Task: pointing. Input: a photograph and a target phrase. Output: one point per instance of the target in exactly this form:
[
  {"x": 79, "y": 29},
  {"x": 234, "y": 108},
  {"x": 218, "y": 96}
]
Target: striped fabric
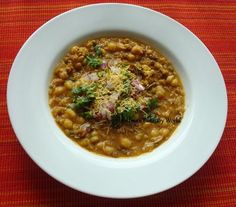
[{"x": 23, "y": 183}]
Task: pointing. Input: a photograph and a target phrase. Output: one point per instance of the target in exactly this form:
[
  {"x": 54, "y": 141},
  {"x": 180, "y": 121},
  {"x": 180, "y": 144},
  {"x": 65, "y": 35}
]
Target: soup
[{"x": 116, "y": 96}]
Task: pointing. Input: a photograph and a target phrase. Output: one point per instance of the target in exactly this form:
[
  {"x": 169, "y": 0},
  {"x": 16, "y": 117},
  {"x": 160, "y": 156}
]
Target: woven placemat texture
[{"x": 23, "y": 183}]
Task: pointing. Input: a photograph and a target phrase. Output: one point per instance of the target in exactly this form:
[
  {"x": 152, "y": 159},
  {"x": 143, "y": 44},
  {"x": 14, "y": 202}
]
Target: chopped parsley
[
  {"x": 98, "y": 50},
  {"x": 93, "y": 61},
  {"x": 83, "y": 96},
  {"x": 82, "y": 102},
  {"x": 88, "y": 115},
  {"x": 129, "y": 114},
  {"x": 151, "y": 104},
  {"x": 80, "y": 90},
  {"x": 151, "y": 117}
]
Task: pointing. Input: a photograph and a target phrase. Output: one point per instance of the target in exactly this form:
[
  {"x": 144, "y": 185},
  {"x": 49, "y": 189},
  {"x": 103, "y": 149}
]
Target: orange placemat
[{"x": 23, "y": 183}]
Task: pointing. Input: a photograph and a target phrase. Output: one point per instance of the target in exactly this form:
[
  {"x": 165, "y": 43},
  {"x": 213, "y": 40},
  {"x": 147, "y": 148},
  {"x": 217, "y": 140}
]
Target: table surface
[{"x": 23, "y": 183}]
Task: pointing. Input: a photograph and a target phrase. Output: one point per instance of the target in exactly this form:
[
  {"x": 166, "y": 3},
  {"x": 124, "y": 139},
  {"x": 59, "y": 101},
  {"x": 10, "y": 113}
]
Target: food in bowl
[{"x": 116, "y": 96}]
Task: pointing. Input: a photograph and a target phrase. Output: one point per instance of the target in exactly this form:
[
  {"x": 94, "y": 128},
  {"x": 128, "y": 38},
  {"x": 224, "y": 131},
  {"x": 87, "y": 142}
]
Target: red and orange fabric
[{"x": 23, "y": 183}]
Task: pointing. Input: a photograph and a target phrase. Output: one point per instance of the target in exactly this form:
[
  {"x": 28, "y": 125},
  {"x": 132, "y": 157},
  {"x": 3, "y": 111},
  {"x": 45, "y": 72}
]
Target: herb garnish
[
  {"x": 98, "y": 51},
  {"x": 150, "y": 116},
  {"x": 151, "y": 104},
  {"x": 88, "y": 115},
  {"x": 127, "y": 115},
  {"x": 83, "y": 98},
  {"x": 93, "y": 61}
]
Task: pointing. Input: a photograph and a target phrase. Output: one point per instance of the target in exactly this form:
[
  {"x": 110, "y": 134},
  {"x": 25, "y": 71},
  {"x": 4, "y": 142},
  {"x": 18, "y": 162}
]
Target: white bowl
[{"x": 170, "y": 164}]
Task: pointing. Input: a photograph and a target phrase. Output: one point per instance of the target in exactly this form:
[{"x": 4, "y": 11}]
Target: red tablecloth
[{"x": 23, "y": 183}]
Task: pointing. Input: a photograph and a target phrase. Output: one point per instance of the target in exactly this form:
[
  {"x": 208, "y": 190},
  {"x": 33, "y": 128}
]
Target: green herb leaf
[
  {"x": 82, "y": 102},
  {"x": 85, "y": 89},
  {"x": 93, "y": 61},
  {"x": 88, "y": 114},
  {"x": 128, "y": 115},
  {"x": 79, "y": 90},
  {"x": 151, "y": 117},
  {"x": 83, "y": 96},
  {"x": 151, "y": 104},
  {"x": 98, "y": 50}
]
